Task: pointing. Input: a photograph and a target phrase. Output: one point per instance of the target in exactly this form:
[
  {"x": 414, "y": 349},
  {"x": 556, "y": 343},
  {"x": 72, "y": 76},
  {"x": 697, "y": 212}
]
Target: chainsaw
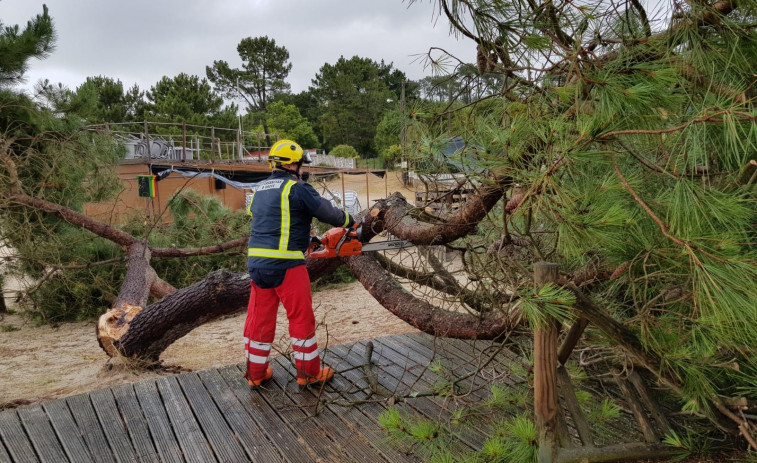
[{"x": 345, "y": 242}]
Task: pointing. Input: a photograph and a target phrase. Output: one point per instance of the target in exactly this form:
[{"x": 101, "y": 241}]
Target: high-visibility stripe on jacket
[{"x": 282, "y": 210}]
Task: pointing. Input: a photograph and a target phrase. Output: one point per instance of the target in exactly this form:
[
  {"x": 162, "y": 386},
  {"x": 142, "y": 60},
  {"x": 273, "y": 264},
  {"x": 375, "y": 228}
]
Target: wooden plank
[
  {"x": 4, "y": 455},
  {"x": 352, "y": 386},
  {"x": 563, "y": 435},
  {"x": 188, "y": 432},
  {"x": 41, "y": 434},
  {"x": 343, "y": 433},
  {"x": 457, "y": 364},
  {"x": 213, "y": 424},
  {"x": 112, "y": 425},
  {"x": 432, "y": 408},
  {"x": 308, "y": 430},
  {"x": 473, "y": 436},
  {"x": 135, "y": 423},
  {"x": 246, "y": 430},
  {"x": 157, "y": 422},
  {"x": 638, "y": 411},
  {"x": 479, "y": 351},
  {"x": 476, "y": 352},
  {"x": 649, "y": 403},
  {"x": 65, "y": 427},
  {"x": 498, "y": 372},
  {"x": 570, "y": 401},
  {"x": 348, "y": 386},
  {"x": 86, "y": 419},
  {"x": 632, "y": 451},
  {"x": 571, "y": 340},
  {"x": 15, "y": 439},
  {"x": 287, "y": 442}
]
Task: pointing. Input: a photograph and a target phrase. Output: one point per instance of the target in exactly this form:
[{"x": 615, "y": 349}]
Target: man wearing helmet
[{"x": 282, "y": 210}]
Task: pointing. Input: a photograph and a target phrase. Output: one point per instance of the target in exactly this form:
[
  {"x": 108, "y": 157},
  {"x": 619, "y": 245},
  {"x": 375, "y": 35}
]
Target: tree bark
[
  {"x": 421, "y": 314},
  {"x": 139, "y": 331},
  {"x": 397, "y": 216},
  {"x": 131, "y": 300},
  {"x": 150, "y": 331}
]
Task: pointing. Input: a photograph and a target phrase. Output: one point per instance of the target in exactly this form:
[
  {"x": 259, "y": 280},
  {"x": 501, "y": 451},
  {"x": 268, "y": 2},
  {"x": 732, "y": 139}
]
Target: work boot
[
  {"x": 258, "y": 382},
  {"x": 323, "y": 376}
]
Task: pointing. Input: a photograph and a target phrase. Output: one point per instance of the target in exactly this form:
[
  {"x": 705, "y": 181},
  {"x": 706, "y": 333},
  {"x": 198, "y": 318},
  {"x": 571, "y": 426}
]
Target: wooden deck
[{"x": 213, "y": 415}]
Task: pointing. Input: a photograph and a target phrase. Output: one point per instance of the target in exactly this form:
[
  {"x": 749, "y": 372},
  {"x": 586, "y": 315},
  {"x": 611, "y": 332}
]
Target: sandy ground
[{"x": 43, "y": 362}]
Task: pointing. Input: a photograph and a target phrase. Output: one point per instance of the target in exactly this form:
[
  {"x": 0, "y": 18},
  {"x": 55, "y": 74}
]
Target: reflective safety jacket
[{"x": 282, "y": 210}]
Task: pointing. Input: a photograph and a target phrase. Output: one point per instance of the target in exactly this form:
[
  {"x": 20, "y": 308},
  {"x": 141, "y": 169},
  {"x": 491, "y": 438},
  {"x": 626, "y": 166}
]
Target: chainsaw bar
[{"x": 384, "y": 245}]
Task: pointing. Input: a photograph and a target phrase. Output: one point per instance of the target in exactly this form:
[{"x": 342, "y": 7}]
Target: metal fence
[{"x": 186, "y": 142}]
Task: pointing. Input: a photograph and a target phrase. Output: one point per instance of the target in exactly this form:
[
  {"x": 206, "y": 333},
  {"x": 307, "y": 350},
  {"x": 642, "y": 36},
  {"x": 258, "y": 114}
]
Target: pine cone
[
  {"x": 514, "y": 202},
  {"x": 480, "y": 60},
  {"x": 492, "y": 61},
  {"x": 622, "y": 268},
  {"x": 522, "y": 242}
]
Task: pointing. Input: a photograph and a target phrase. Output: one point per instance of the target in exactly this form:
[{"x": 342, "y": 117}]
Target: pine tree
[{"x": 632, "y": 143}]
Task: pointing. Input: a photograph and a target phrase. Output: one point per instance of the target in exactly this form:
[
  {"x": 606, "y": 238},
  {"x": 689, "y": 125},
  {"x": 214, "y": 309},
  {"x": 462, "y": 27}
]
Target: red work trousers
[{"x": 260, "y": 326}]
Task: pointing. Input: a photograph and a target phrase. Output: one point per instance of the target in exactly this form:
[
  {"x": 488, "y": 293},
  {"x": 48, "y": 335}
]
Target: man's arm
[{"x": 322, "y": 209}]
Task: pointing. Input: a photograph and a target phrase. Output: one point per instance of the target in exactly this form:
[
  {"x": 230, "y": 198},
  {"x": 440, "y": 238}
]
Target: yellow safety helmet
[{"x": 287, "y": 152}]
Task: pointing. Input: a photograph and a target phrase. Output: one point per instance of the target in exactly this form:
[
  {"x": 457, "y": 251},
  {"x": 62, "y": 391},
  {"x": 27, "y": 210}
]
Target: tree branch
[
  {"x": 421, "y": 314},
  {"x": 75, "y": 218}
]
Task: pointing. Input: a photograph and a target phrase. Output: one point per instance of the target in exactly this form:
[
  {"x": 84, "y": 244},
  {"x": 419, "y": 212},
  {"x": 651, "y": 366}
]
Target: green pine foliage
[
  {"x": 627, "y": 159},
  {"x": 17, "y": 46},
  {"x": 197, "y": 221},
  {"x": 549, "y": 302}
]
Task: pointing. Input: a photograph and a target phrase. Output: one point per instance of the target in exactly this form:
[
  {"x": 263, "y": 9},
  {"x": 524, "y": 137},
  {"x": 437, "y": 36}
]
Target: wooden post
[
  {"x": 212, "y": 141},
  {"x": 386, "y": 183},
  {"x": 197, "y": 146},
  {"x": 260, "y": 156},
  {"x": 545, "y": 373},
  {"x": 344, "y": 194},
  {"x": 367, "y": 191},
  {"x": 184, "y": 141},
  {"x": 147, "y": 139},
  {"x": 239, "y": 144}
]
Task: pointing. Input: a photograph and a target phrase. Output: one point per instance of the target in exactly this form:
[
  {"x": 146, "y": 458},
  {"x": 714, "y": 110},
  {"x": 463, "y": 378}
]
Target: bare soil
[{"x": 43, "y": 362}]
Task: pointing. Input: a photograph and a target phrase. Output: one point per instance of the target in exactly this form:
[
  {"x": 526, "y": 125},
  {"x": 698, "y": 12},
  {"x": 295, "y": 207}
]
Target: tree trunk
[
  {"x": 131, "y": 300},
  {"x": 133, "y": 330},
  {"x": 153, "y": 329}
]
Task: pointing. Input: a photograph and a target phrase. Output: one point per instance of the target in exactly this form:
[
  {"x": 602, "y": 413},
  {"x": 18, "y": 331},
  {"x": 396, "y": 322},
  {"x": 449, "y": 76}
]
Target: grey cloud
[{"x": 139, "y": 41}]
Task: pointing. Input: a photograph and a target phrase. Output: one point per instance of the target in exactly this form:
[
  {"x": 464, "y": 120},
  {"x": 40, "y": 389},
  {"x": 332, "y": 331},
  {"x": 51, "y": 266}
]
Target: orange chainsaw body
[{"x": 337, "y": 242}]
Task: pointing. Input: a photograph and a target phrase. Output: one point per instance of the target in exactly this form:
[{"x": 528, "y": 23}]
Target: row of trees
[{"x": 345, "y": 104}]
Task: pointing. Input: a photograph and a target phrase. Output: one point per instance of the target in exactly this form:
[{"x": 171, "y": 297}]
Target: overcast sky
[{"x": 140, "y": 41}]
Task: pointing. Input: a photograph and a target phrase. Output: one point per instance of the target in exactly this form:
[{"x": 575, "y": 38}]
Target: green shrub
[{"x": 345, "y": 151}]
